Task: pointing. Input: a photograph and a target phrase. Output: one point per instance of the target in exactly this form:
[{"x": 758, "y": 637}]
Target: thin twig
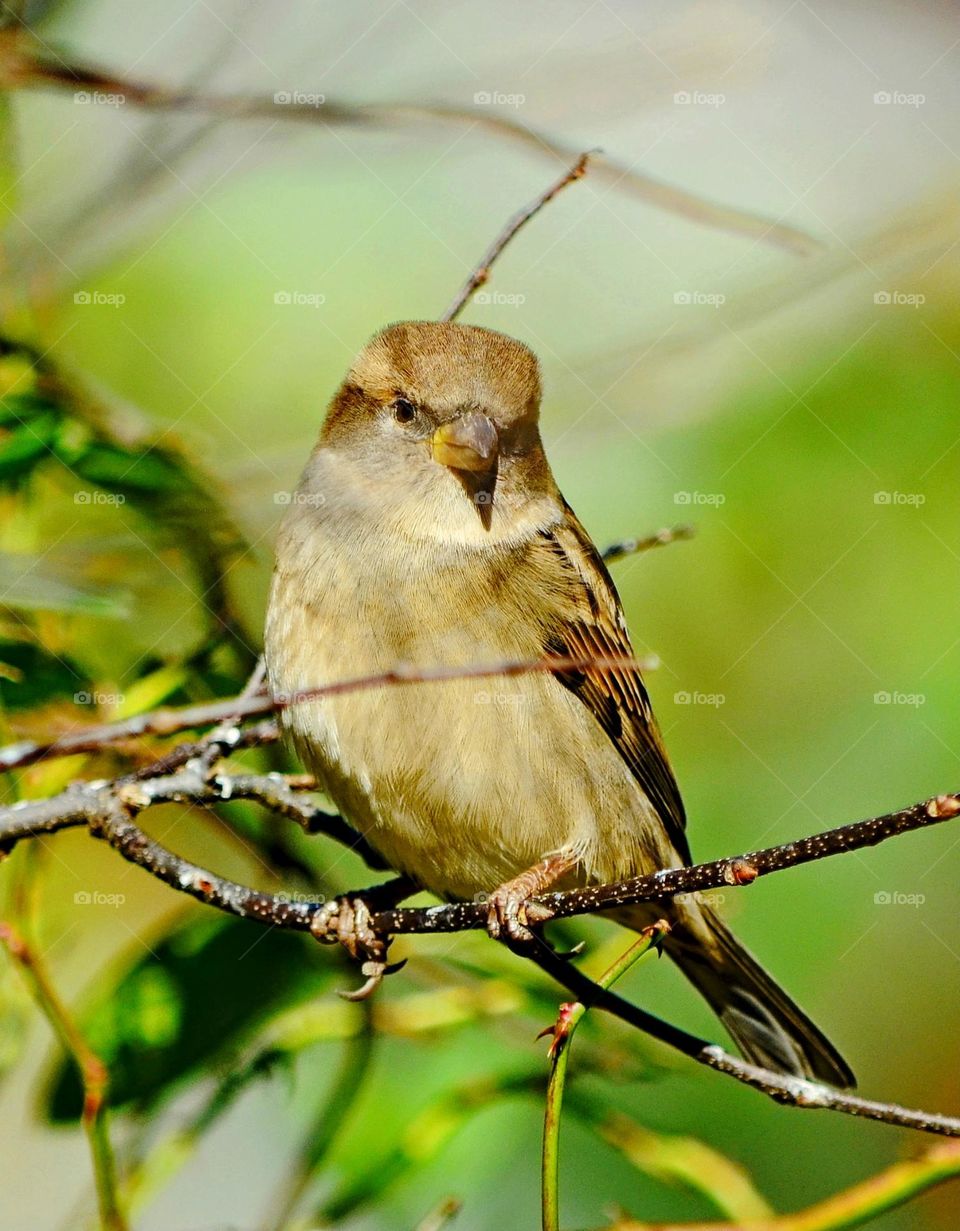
[
  {"x": 632, "y": 547},
  {"x": 94, "y": 739},
  {"x": 24, "y": 64},
  {"x": 93, "y": 1075},
  {"x": 697, "y": 878},
  {"x": 227, "y": 736},
  {"x": 163, "y": 722},
  {"x": 236, "y": 709},
  {"x": 795, "y": 1091},
  {"x": 481, "y": 272}
]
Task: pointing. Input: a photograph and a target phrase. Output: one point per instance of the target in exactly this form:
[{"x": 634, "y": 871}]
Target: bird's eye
[{"x": 404, "y": 411}]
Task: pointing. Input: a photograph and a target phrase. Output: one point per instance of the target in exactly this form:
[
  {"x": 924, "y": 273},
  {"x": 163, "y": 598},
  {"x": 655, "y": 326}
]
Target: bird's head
[{"x": 448, "y": 413}]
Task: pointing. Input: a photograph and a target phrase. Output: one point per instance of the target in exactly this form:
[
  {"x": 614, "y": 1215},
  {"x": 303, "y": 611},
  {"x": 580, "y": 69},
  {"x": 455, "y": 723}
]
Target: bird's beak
[{"x": 468, "y": 442}]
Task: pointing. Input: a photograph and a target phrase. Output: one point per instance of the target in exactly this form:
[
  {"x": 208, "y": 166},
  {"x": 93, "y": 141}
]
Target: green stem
[
  {"x": 569, "y": 1018},
  {"x": 93, "y": 1074}
]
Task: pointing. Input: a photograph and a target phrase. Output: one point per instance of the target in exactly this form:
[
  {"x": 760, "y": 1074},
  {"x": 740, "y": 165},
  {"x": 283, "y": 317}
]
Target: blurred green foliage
[{"x": 184, "y": 1005}]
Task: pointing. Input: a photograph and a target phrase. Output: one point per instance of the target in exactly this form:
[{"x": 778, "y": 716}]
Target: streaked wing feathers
[{"x": 594, "y": 627}]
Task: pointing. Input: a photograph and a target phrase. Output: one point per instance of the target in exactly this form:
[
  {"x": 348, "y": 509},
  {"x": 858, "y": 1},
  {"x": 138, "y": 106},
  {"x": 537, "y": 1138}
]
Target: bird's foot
[
  {"x": 510, "y": 912},
  {"x": 345, "y": 920}
]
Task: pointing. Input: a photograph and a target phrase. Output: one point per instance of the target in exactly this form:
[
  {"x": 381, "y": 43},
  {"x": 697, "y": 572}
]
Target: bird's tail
[{"x": 768, "y": 1028}]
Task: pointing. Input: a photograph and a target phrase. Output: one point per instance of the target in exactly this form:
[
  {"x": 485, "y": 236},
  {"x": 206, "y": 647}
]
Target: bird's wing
[{"x": 590, "y": 623}]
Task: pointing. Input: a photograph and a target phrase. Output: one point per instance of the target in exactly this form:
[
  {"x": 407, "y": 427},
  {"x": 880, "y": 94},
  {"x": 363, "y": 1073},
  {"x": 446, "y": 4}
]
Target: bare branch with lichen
[{"x": 109, "y": 810}]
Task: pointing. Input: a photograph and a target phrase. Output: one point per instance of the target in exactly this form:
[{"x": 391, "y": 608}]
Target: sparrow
[{"x": 427, "y": 530}]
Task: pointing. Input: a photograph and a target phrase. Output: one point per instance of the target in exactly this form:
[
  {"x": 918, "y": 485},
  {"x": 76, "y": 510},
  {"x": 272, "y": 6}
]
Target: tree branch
[
  {"x": 795, "y": 1091},
  {"x": 187, "y": 774},
  {"x": 568, "y": 1019},
  {"x": 26, "y": 64},
  {"x": 108, "y": 810},
  {"x": 481, "y": 272},
  {"x": 236, "y": 709},
  {"x": 163, "y": 722},
  {"x": 697, "y": 878},
  {"x": 631, "y": 547}
]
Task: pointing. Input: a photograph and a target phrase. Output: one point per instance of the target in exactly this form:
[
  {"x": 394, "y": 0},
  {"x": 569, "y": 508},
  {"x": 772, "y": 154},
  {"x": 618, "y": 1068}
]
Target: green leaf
[
  {"x": 22, "y": 446},
  {"x": 39, "y": 677},
  {"x": 147, "y": 470},
  {"x": 202, "y": 991},
  {"x": 18, "y": 408},
  {"x": 152, "y": 690}
]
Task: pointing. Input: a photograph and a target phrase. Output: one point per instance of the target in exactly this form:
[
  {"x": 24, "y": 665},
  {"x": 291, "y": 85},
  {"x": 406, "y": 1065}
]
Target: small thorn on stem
[
  {"x": 560, "y": 1029},
  {"x": 656, "y": 933}
]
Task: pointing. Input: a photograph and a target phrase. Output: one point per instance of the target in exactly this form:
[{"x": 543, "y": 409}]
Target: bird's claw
[
  {"x": 375, "y": 972},
  {"x": 346, "y": 921},
  {"x": 511, "y": 914}
]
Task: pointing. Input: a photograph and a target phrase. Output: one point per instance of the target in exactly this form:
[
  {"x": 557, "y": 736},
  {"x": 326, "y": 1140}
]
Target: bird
[{"x": 427, "y": 530}]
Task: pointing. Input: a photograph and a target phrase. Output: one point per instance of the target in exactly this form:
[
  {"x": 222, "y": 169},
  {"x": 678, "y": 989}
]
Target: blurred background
[{"x": 747, "y": 320}]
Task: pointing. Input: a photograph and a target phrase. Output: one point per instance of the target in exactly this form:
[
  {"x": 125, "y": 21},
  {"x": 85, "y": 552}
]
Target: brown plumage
[{"x": 428, "y": 529}]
